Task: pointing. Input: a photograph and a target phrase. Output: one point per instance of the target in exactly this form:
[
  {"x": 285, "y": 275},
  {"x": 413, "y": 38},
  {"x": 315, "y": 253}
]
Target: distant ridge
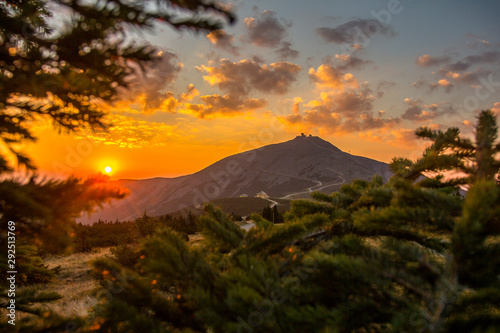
[{"x": 288, "y": 170}]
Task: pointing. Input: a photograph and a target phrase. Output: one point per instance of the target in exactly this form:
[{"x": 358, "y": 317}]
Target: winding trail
[
  {"x": 340, "y": 155},
  {"x": 319, "y": 185},
  {"x": 315, "y": 188}
]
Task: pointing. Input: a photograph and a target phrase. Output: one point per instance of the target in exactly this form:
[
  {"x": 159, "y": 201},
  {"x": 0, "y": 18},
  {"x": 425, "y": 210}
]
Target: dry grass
[{"x": 75, "y": 283}]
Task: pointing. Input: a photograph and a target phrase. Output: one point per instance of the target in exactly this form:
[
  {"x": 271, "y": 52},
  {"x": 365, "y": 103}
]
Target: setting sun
[{"x": 107, "y": 169}]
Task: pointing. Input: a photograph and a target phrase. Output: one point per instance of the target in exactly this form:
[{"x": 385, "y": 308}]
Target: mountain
[{"x": 287, "y": 170}]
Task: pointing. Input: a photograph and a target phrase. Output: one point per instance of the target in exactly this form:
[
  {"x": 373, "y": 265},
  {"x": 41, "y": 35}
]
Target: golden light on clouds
[
  {"x": 330, "y": 78},
  {"x": 131, "y": 132},
  {"x": 205, "y": 96}
]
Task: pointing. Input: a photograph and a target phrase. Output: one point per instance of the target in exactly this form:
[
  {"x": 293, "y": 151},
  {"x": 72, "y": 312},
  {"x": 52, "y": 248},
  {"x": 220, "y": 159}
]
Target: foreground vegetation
[{"x": 411, "y": 255}]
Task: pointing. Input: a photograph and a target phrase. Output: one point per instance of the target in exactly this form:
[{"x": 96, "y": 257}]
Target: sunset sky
[{"x": 360, "y": 74}]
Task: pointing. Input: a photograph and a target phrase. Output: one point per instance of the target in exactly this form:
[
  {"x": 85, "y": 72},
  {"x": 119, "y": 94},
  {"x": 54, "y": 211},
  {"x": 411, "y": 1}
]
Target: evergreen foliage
[
  {"x": 44, "y": 213},
  {"x": 475, "y": 159},
  {"x": 109, "y": 233},
  {"x": 406, "y": 256},
  {"x": 236, "y": 217},
  {"x": 272, "y": 214},
  {"x": 267, "y": 213},
  {"x": 147, "y": 225},
  {"x": 104, "y": 234}
]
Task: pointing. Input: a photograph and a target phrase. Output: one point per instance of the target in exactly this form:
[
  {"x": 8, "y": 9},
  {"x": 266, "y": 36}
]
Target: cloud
[
  {"x": 130, "y": 132},
  {"x": 265, "y": 30},
  {"x": 165, "y": 102},
  {"x": 468, "y": 77},
  {"x": 224, "y": 41},
  {"x": 446, "y": 84},
  {"x": 347, "y": 61},
  {"x": 496, "y": 109},
  {"x": 150, "y": 82},
  {"x": 342, "y": 106},
  {"x": 398, "y": 137},
  {"x": 478, "y": 41},
  {"x": 329, "y": 77},
  {"x": 488, "y": 57},
  {"x": 189, "y": 94},
  {"x": 285, "y": 52},
  {"x": 449, "y": 80},
  {"x": 338, "y": 112},
  {"x": 218, "y": 105},
  {"x": 240, "y": 78},
  {"x": 455, "y": 74},
  {"x": 427, "y": 60},
  {"x": 355, "y": 32},
  {"x": 443, "y": 83},
  {"x": 418, "y": 112}
]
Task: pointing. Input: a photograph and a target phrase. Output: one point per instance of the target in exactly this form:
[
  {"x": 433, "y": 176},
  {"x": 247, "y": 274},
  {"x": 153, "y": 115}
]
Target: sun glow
[{"x": 107, "y": 169}]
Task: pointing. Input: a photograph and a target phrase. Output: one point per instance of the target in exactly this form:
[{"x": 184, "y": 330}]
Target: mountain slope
[{"x": 288, "y": 170}]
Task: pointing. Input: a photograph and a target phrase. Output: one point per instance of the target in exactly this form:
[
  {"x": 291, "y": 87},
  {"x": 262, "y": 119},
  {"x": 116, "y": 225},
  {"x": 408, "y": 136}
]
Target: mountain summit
[{"x": 288, "y": 170}]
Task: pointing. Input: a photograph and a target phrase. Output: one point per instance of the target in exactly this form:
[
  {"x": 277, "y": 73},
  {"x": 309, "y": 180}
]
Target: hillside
[{"x": 287, "y": 170}]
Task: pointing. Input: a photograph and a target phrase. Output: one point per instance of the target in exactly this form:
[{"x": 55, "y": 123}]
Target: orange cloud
[
  {"x": 401, "y": 137},
  {"x": 453, "y": 75},
  {"x": 338, "y": 113},
  {"x": 240, "y": 78},
  {"x": 345, "y": 107},
  {"x": 428, "y": 60},
  {"x": 496, "y": 109},
  {"x": 223, "y": 40},
  {"x": 190, "y": 93},
  {"x": 218, "y": 105},
  {"x": 129, "y": 132},
  {"x": 444, "y": 83},
  {"x": 419, "y": 112},
  {"x": 166, "y": 102},
  {"x": 328, "y": 77}
]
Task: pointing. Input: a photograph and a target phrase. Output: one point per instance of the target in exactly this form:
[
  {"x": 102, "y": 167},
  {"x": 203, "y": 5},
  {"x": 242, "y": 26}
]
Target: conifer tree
[
  {"x": 476, "y": 159},
  {"x": 277, "y": 217},
  {"x": 43, "y": 214},
  {"x": 267, "y": 213}
]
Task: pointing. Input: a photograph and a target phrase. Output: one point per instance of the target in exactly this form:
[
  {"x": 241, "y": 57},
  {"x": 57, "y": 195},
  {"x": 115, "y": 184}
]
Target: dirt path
[{"x": 318, "y": 187}]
